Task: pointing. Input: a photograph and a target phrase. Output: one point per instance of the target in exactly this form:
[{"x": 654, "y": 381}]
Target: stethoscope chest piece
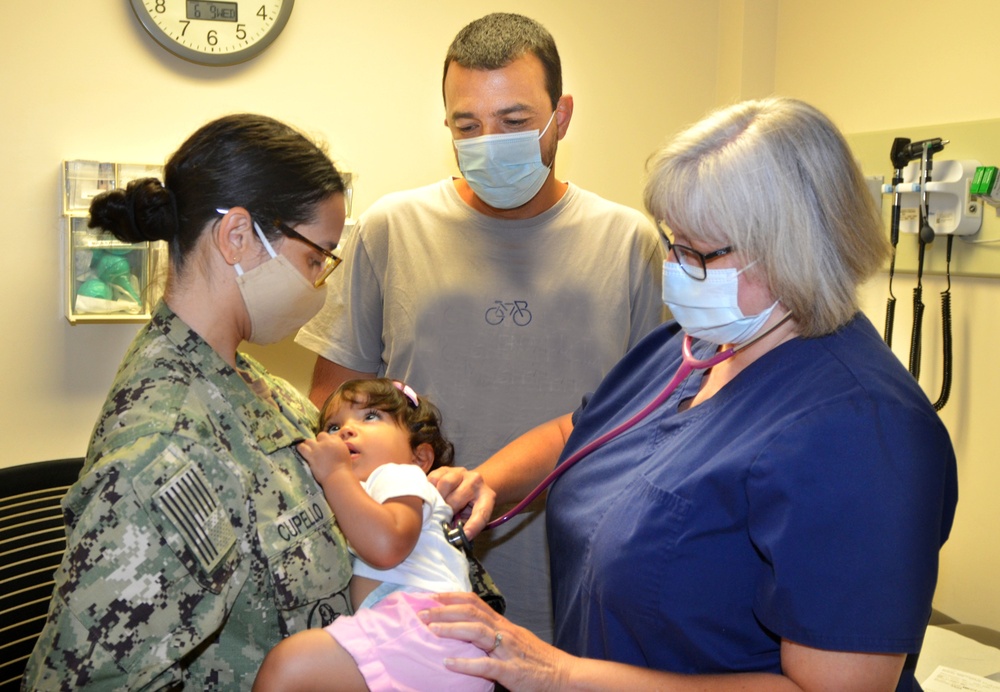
[{"x": 456, "y": 536}]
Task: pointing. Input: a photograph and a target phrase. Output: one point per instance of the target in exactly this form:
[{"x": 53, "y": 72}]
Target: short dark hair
[
  {"x": 422, "y": 420},
  {"x": 496, "y": 40},
  {"x": 243, "y": 160}
]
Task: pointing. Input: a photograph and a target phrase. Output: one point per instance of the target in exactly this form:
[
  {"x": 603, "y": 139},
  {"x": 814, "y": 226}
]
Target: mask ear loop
[
  {"x": 547, "y": 125},
  {"x": 263, "y": 239},
  {"x": 772, "y": 306}
]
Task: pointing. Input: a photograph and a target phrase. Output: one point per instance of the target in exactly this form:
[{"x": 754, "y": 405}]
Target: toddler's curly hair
[{"x": 421, "y": 418}]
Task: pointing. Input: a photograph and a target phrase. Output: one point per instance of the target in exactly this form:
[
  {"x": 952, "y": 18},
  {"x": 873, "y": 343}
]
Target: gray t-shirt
[{"x": 504, "y": 324}]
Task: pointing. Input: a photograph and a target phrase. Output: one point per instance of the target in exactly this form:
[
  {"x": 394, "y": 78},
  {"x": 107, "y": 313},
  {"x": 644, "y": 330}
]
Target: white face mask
[
  {"x": 505, "y": 170},
  {"x": 278, "y": 298},
  {"x": 710, "y": 309}
]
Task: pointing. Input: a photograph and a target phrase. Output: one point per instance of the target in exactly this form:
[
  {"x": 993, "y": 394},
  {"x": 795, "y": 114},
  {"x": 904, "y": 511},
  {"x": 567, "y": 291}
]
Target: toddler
[{"x": 380, "y": 433}]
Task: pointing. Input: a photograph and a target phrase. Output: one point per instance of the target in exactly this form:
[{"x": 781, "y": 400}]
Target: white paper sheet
[
  {"x": 949, "y": 649},
  {"x": 946, "y": 679}
]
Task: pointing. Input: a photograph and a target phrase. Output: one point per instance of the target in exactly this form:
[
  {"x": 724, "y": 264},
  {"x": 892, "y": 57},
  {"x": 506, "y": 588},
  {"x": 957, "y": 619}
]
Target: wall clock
[{"x": 208, "y": 32}]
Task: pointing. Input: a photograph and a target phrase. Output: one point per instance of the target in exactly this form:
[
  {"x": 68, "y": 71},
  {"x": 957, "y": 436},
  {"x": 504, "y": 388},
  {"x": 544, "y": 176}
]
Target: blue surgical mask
[
  {"x": 710, "y": 309},
  {"x": 504, "y": 170}
]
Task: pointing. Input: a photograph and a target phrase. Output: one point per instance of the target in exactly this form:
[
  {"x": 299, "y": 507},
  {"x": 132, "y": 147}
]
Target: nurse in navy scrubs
[{"x": 775, "y": 523}]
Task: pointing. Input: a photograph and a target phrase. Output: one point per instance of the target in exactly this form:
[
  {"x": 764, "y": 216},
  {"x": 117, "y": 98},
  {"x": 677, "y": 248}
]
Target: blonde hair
[{"x": 775, "y": 179}]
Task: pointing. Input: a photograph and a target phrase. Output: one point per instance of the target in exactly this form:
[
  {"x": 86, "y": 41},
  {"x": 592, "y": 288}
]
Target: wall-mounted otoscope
[
  {"x": 962, "y": 220},
  {"x": 925, "y": 234},
  {"x": 900, "y": 156},
  {"x": 927, "y": 148}
]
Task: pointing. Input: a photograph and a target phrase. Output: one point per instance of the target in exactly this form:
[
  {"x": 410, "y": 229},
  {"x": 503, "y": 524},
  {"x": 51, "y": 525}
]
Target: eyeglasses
[
  {"x": 331, "y": 262},
  {"x": 691, "y": 261}
]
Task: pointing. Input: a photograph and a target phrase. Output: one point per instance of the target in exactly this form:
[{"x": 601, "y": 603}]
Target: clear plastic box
[{"x": 107, "y": 280}]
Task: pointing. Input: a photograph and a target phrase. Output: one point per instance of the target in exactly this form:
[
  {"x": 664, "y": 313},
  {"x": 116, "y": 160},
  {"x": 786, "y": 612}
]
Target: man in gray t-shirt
[{"x": 504, "y": 295}]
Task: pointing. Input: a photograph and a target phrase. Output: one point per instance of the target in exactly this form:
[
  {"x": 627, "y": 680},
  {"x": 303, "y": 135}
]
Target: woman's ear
[
  {"x": 423, "y": 456},
  {"x": 234, "y": 235}
]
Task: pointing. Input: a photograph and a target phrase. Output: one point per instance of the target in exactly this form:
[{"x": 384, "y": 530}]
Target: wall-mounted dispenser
[
  {"x": 106, "y": 280},
  {"x": 952, "y": 209}
]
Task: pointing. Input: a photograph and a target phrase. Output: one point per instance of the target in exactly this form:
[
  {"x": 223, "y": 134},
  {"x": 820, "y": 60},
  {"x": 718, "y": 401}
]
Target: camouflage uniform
[{"x": 197, "y": 538}]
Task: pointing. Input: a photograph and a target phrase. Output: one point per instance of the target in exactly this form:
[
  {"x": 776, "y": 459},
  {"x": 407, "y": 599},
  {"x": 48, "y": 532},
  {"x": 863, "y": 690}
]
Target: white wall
[{"x": 87, "y": 82}]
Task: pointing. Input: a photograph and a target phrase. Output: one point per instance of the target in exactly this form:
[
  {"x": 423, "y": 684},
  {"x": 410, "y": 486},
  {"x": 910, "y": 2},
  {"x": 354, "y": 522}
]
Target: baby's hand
[{"x": 325, "y": 455}]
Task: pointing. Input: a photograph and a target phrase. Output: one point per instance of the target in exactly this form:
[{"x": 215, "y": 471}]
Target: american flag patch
[{"x": 189, "y": 503}]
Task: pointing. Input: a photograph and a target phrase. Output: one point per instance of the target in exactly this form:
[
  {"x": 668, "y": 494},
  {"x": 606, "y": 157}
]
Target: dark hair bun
[{"x": 143, "y": 211}]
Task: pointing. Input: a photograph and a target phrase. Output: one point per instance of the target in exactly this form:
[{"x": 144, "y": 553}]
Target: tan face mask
[{"x": 279, "y": 300}]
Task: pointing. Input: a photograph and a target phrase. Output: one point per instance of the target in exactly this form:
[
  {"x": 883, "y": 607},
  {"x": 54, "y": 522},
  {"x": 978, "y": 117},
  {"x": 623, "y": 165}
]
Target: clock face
[{"x": 213, "y": 33}]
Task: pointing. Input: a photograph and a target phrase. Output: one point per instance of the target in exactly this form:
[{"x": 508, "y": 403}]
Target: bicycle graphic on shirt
[{"x": 517, "y": 309}]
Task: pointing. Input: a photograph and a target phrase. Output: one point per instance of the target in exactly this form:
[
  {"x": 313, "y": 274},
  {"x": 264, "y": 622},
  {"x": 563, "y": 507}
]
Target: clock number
[{"x": 212, "y": 32}]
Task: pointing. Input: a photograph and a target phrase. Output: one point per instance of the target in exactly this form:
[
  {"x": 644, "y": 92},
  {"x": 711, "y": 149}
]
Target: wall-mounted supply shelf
[{"x": 106, "y": 280}]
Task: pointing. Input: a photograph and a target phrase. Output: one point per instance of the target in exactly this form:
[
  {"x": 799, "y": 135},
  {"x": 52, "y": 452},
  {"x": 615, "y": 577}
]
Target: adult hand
[
  {"x": 467, "y": 494},
  {"x": 512, "y": 655},
  {"x": 325, "y": 455}
]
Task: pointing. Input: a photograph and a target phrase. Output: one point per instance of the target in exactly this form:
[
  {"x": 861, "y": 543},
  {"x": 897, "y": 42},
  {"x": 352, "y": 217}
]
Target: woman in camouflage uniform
[{"x": 197, "y": 538}]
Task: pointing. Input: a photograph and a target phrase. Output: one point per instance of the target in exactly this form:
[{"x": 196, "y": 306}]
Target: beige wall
[
  {"x": 890, "y": 66},
  {"x": 88, "y": 83},
  {"x": 366, "y": 76}
]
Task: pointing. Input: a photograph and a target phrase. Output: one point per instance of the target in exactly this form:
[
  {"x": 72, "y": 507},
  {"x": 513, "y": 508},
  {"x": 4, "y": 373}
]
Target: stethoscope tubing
[{"x": 688, "y": 365}]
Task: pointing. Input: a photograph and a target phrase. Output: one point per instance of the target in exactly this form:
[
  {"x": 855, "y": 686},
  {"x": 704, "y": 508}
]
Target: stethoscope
[{"x": 689, "y": 363}]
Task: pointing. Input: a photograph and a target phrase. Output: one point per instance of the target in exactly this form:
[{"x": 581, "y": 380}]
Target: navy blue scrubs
[{"x": 806, "y": 500}]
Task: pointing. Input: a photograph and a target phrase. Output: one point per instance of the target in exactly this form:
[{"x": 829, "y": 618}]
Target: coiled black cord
[
  {"x": 946, "y": 346},
  {"x": 918, "y": 317},
  {"x": 890, "y": 315},
  {"x": 900, "y": 155},
  {"x": 890, "y": 305}
]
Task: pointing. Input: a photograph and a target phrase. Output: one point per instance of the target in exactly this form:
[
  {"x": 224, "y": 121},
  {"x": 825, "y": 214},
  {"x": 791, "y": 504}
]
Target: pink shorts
[{"x": 394, "y": 649}]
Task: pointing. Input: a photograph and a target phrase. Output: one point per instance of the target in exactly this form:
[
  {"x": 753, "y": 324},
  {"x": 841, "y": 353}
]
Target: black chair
[{"x": 32, "y": 540}]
